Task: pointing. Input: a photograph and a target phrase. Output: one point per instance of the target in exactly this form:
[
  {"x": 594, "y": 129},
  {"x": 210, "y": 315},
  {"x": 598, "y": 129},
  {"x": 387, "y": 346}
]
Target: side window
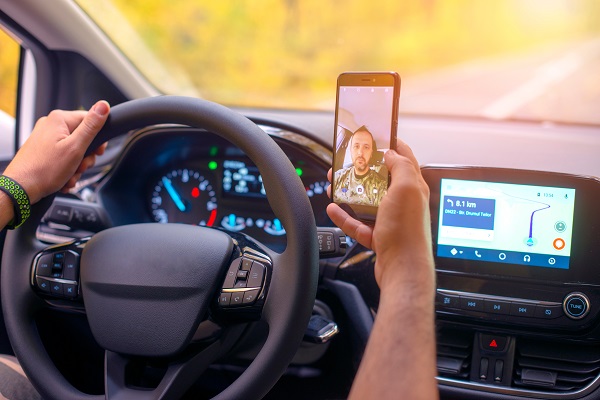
[{"x": 9, "y": 73}]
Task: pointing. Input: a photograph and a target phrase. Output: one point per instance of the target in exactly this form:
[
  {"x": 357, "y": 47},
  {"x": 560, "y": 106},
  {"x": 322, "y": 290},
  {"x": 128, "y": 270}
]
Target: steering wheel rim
[{"x": 293, "y": 286}]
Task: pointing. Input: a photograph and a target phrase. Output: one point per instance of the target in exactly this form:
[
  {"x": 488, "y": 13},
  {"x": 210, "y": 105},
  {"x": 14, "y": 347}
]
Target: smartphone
[{"x": 366, "y": 121}]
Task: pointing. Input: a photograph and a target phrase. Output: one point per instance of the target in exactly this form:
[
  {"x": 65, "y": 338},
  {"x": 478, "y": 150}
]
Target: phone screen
[{"x": 365, "y": 129}]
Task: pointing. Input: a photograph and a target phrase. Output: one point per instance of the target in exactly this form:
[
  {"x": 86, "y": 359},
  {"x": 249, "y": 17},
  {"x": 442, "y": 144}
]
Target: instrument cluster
[
  {"x": 211, "y": 194},
  {"x": 188, "y": 176}
]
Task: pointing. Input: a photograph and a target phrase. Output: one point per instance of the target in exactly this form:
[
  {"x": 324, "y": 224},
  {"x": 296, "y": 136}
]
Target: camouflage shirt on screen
[{"x": 367, "y": 189}]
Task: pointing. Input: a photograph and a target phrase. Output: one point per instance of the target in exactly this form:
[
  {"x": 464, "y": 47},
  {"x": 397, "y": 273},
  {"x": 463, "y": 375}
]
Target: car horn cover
[{"x": 146, "y": 287}]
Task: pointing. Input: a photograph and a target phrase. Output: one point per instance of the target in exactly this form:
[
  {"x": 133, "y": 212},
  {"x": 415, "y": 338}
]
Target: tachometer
[{"x": 184, "y": 196}]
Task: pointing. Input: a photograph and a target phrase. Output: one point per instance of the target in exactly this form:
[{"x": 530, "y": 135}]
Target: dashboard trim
[{"x": 521, "y": 392}]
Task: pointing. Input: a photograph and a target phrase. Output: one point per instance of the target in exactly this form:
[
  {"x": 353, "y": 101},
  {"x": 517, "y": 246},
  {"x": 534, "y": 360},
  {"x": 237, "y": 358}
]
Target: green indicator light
[
  {"x": 212, "y": 165},
  {"x": 299, "y": 171},
  {"x": 213, "y": 151}
]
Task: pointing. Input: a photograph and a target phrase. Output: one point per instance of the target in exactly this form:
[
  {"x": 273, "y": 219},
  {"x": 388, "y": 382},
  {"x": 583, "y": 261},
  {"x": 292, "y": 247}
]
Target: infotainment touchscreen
[{"x": 506, "y": 223}]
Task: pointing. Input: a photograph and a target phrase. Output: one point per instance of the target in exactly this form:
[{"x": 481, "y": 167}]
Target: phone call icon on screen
[{"x": 477, "y": 254}]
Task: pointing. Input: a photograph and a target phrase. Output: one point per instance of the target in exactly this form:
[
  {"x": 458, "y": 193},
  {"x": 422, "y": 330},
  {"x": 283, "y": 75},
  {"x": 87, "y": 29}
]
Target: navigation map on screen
[{"x": 506, "y": 223}]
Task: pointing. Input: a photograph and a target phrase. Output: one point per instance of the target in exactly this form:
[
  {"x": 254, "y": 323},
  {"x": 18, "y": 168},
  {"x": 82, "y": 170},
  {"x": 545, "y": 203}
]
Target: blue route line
[
  {"x": 532, "y": 214},
  {"x": 531, "y": 220}
]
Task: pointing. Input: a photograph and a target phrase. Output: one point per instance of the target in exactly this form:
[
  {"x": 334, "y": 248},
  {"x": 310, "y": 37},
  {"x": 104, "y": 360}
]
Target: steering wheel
[{"x": 148, "y": 287}]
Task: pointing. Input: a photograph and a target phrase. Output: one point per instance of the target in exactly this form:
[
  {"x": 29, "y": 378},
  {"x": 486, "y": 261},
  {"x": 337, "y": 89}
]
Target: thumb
[
  {"x": 91, "y": 125},
  {"x": 399, "y": 164},
  {"x": 390, "y": 159},
  {"x": 403, "y": 156}
]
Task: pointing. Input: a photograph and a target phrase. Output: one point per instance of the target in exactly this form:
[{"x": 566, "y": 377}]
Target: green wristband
[{"x": 20, "y": 200}]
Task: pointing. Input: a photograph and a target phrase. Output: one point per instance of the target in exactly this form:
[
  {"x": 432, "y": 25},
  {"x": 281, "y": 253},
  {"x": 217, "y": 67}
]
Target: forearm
[{"x": 400, "y": 359}]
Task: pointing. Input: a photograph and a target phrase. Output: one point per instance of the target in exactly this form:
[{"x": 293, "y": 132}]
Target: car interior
[{"x": 196, "y": 258}]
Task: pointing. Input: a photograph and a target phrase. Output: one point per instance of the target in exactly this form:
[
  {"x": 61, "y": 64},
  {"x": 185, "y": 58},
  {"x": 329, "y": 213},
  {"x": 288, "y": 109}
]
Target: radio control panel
[{"x": 570, "y": 312}]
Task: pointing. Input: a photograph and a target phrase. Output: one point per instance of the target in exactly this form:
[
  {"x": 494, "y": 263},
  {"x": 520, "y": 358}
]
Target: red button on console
[{"x": 493, "y": 342}]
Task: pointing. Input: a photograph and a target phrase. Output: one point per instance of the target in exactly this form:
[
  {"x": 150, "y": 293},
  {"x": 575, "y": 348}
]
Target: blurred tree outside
[
  {"x": 9, "y": 72},
  {"x": 288, "y": 53}
]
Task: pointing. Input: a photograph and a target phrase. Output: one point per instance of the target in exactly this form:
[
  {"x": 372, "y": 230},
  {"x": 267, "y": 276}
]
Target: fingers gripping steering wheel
[{"x": 155, "y": 312}]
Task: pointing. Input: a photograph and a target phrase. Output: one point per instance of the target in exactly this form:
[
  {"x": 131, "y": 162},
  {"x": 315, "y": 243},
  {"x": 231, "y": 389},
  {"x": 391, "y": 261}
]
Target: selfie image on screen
[
  {"x": 506, "y": 223},
  {"x": 363, "y": 136}
]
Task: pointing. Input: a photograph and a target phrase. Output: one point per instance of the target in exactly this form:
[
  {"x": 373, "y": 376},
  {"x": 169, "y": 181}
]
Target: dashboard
[
  {"x": 516, "y": 251},
  {"x": 181, "y": 175}
]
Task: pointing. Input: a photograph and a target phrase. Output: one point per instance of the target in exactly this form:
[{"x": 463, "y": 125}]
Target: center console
[
  {"x": 516, "y": 246},
  {"x": 517, "y": 256}
]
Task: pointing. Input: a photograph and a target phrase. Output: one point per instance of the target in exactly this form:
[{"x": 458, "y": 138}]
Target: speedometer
[{"x": 184, "y": 196}]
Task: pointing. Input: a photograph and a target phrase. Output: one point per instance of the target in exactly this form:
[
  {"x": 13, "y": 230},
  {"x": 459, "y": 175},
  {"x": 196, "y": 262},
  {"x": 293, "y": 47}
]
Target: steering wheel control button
[
  {"x": 493, "y": 343},
  {"x": 548, "y": 312},
  {"x": 44, "y": 265},
  {"x": 232, "y": 274},
  {"x": 242, "y": 274},
  {"x": 522, "y": 309},
  {"x": 237, "y": 298},
  {"x": 250, "y": 296},
  {"x": 246, "y": 264},
  {"x": 70, "y": 290},
  {"x": 471, "y": 304},
  {"x": 224, "y": 299},
  {"x": 56, "y": 288},
  {"x": 71, "y": 266},
  {"x": 576, "y": 305},
  {"x": 255, "y": 278},
  {"x": 497, "y": 307},
  {"x": 57, "y": 272},
  {"x": 43, "y": 284},
  {"x": 240, "y": 284}
]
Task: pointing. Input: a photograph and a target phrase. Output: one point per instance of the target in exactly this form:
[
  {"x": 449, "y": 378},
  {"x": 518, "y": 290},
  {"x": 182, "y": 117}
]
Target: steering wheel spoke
[{"x": 125, "y": 377}]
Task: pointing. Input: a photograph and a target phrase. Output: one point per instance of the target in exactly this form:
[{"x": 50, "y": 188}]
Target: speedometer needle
[{"x": 173, "y": 193}]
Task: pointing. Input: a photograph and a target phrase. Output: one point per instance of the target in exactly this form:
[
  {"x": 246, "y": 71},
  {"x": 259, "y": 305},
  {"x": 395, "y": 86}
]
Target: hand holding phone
[{"x": 366, "y": 120}]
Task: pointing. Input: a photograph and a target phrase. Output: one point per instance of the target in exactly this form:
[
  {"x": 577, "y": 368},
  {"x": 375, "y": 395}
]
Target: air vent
[
  {"x": 555, "y": 367},
  {"x": 454, "y": 349}
]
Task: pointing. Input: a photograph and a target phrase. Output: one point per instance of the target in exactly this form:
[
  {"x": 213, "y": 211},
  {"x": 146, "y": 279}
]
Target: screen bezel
[
  {"x": 368, "y": 79},
  {"x": 584, "y": 266}
]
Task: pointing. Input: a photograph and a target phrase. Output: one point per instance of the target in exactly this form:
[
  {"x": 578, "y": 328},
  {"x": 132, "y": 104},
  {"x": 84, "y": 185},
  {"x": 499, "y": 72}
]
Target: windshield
[{"x": 500, "y": 59}]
